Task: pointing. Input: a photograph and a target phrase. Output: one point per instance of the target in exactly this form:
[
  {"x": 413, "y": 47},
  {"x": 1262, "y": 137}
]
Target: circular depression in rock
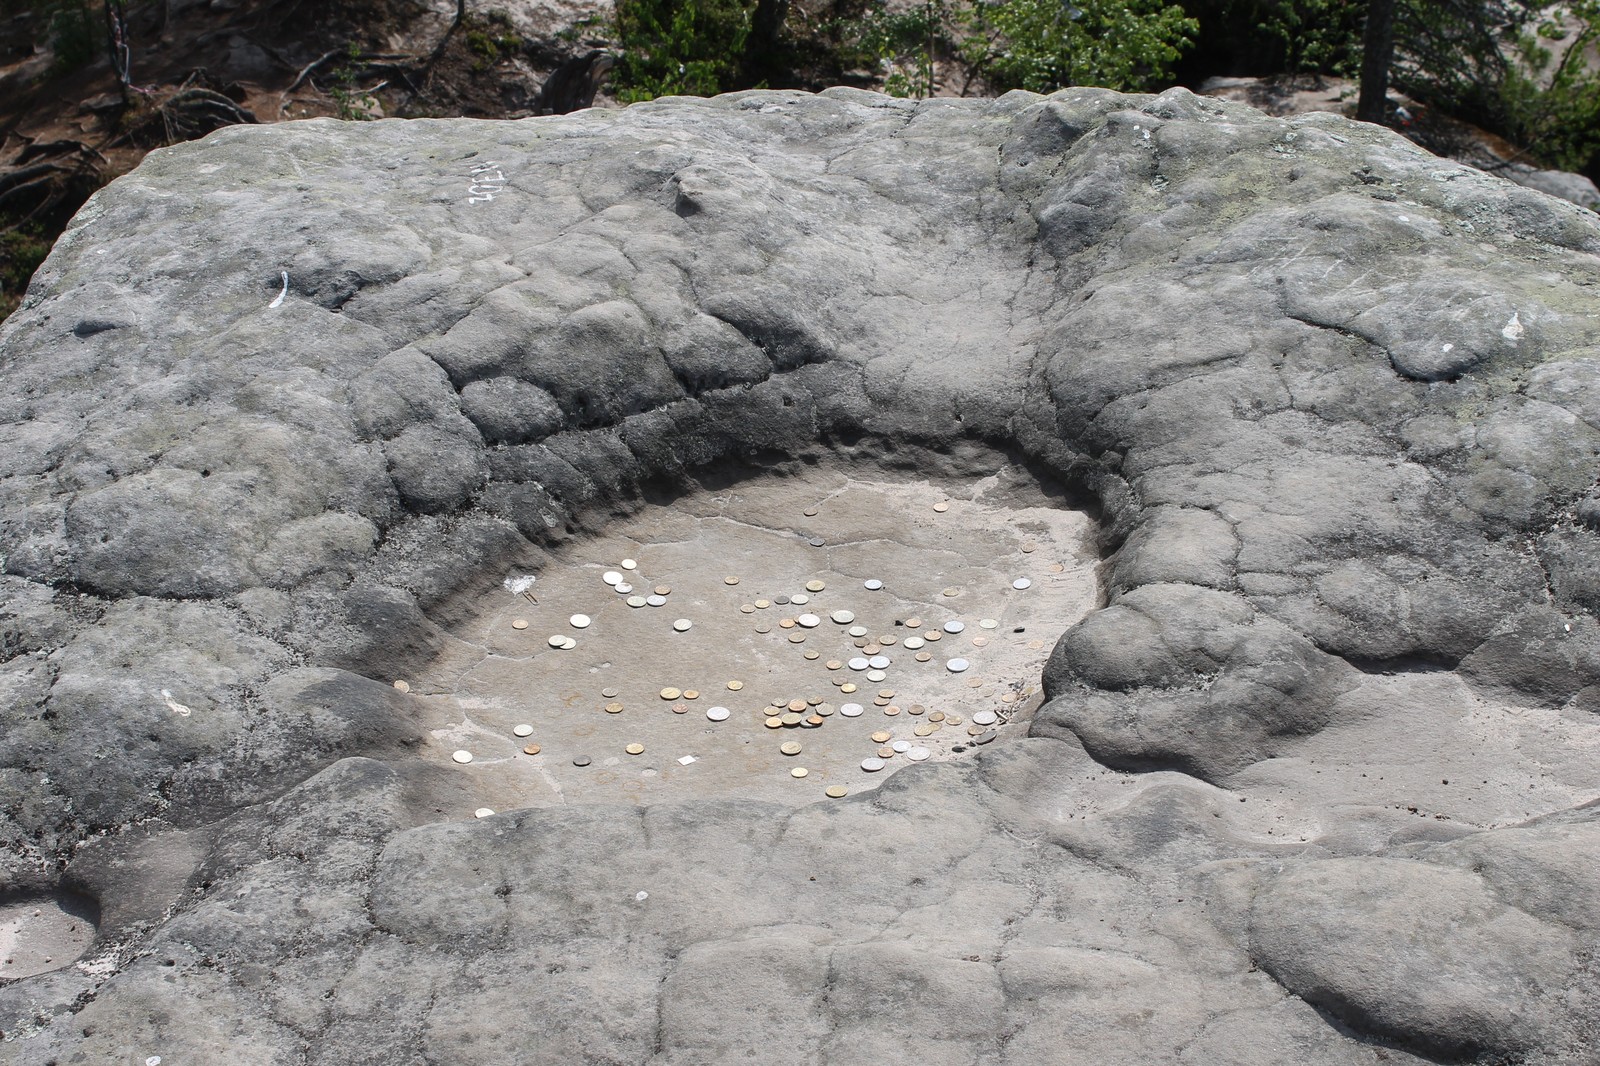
[
  {"x": 40, "y": 933},
  {"x": 765, "y": 640}
]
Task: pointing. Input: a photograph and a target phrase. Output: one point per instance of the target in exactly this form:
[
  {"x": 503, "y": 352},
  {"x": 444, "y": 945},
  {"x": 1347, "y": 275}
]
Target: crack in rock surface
[{"x": 1306, "y": 775}]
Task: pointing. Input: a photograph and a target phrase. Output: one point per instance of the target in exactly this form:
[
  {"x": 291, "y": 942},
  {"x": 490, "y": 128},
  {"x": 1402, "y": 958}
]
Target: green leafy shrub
[
  {"x": 679, "y": 47},
  {"x": 1043, "y": 45}
]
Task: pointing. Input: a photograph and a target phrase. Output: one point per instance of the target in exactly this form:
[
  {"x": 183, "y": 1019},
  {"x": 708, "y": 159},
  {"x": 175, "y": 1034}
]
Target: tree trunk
[{"x": 1377, "y": 50}]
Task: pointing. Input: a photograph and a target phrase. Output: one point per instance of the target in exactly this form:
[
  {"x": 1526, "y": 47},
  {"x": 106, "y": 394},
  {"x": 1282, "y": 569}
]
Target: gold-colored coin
[
  {"x": 975, "y": 682},
  {"x": 952, "y": 719},
  {"x": 974, "y": 730},
  {"x": 774, "y": 723},
  {"x": 613, "y": 708},
  {"x": 790, "y": 747},
  {"x": 797, "y": 705},
  {"x": 786, "y": 623},
  {"x": 872, "y": 647},
  {"x": 791, "y": 718},
  {"x": 1008, "y": 697},
  {"x": 634, "y": 749},
  {"x": 923, "y": 730},
  {"x": 402, "y": 686},
  {"x": 810, "y": 654},
  {"x": 882, "y": 737},
  {"x": 735, "y": 685},
  {"x": 886, "y": 693},
  {"x": 670, "y": 693},
  {"x": 834, "y": 664},
  {"x": 936, "y": 716},
  {"x": 836, "y": 792},
  {"x": 862, "y": 642},
  {"x": 880, "y": 702},
  {"x": 886, "y": 752},
  {"x": 888, "y": 640},
  {"x": 532, "y": 749},
  {"x": 798, "y": 771},
  {"x": 923, "y": 657},
  {"x": 519, "y": 623},
  {"x": 917, "y": 708},
  {"x": 913, "y": 623},
  {"x": 812, "y": 701},
  {"x": 730, "y": 580},
  {"x": 815, "y": 586},
  {"x": 763, "y": 604},
  {"x": 747, "y": 608},
  {"x": 933, "y": 635},
  {"x": 691, "y": 693},
  {"x": 1056, "y": 568},
  {"x": 891, "y": 710},
  {"x": 941, "y": 507},
  {"x": 848, "y": 686},
  {"x": 663, "y": 590},
  {"x": 797, "y": 638}
]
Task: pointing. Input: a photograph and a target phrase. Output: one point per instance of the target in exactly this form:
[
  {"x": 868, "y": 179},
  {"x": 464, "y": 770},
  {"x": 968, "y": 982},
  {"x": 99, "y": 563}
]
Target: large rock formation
[{"x": 1315, "y": 785}]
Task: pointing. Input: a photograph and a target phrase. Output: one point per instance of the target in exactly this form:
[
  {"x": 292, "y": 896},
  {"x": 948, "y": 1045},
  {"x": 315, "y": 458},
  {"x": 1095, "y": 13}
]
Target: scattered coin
[
  {"x": 872, "y": 647},
  {"x": 952, "y": 719},
  {"x": 403, "y": 686},
  {"x": 913, "y": 643},
  {"x": 834, "y": 664},
  {"x": 523, "y": 730},
  {"x": 913, "y": 623},
  {"x": 563, "y": 642},
  {"x": 747, "y": 608},
  {"x": 763, "y": 628},
  {"x": 580, "y": 760},
  {"x": 879, "y": 662},
  {"x": 876, "y": 675},
  {"x": 917, "y": 708},
  {"x": 730, "y": 580},
  {"x": 656, "y": 601},
  {"x": 791, "y": 718},
  {"x": 735, "y": 686},
  {"x": 798, "y": 705},
  {"x": 923, "y": 729},
  {"x": 613, "y": 708},
  {"x": 810, "y": 512},
  {"x": 1009, "y": 697},
  {"x": 824, "y": 709},
  {"x": 579, "y": 621},
  {"x": 671, "y": 693},
  {"x": 886, "y": 693},
  {"x": 891, "y": 710},
  {"x": 858, "y": 631},
  {"x": 718, "y": 714},
  {"x": 872, "y": 584},
  {"x": 901, "y": 746},
  {"x": 611, "y": 577},
  {"x": 842, "y": 618},
  {"x": 800, "y": 599},
  {"x": 786, "y": 623},
  {"x": 836, "y": 792},
  {"x": 691, "y": 693},
  {"x": 975, "y": 682},
  {"x": 980, "y": 642},
  {"x": 774, "y": 722},
  {"x": 662, "y": 590},
  {"x": 954, "y": 626},
  {"x": 637, "y": 601},
  {"x": 952, "y": 591},
  {"x": 623, "y": 588},
  {"x": 610, "y": 693},
  {"x": 1056, "y": 568},
  {"x": 816, "y": 542},
  {"x": 872, "y": 764},
  {"x": 989, "y": 623},
  {"x": 781, "y": 601},
  {"x": 859, "y": 663},
  {"x": 532, "y": 749},
  {"x": 798, "y": 771},
  {"x": 880, "y": 702},
  {"x": 483, "y": 812},
  {"x": 923, "y": 657},
  {"x": 941, "y": 507},
  {"x": 519, "y": 623},
  {"x": 763, "y": 604},
  {"x": 974, "y": 730},
  {"x": 984, "y": 718},
  {"x": 810, "y": 621},
  {"x": 881, "y": 737},
  {"x": 936, "y": 716},
  {"x": 888, "y": 640},
  {"x": 815, "y": 586},
  {"x": 848, "y": 687},
  {"x": 634, "y": 749},
  {"x": 918, "y": 754},
  {"x": 462, "y": 756},
  {"x": 682, "y": 625},
  {"x": 790, "y": 747},
  {"x": 934, "y": 634},
  {"x": 813, "y": 721},
  {"x": 809, "y": 654},
  {"x": 1021, "y": 583},
  {"x": 851, "y": 710},
  {"x": 956, "y": 666}
]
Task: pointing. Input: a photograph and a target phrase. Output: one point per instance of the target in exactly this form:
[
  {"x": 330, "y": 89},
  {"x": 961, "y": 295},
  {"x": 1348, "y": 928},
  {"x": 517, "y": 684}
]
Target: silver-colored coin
[
  {"x": 901, "y": 746},
  {"x": 876, "y": 675},
  {"x": 637, "y": 601},
  {"x": 816, "y": 542},
  {"x": 580, "y": 760},
  {"x": 523, "y": 730},
  {"x": 800, "y": 599},
  {"x": 656, "y": 601},
  {"x": 623, "y": 588},
  {"x": 954, "y": 626},
  {"x": 858, "y": 663},
  {"x": 872, "y": 584},
  {"x": 611, "y": 577},
  {"x": 956, "y": 666},
  {"x": 810, "y": 621},
  {"x": 857, "y": 631},
  {"x": 879, "y": 662},
  {"x": 918, "y": 754},
  {"x": 682, "y": 625},
  {"x": 843, "y": 618},
  {"x": 629, "y": 564},
  {"x": 913, "y": 643},
  {"x": 483, "y": 812},
  {"x": 579, "y": 621},
  {"x": 462, "y": 756},
  {"x": 1021, "y": 583},
  {"x": 718, "y": 714},
  {"x": 781, "y": 601},
  {"x": 989, "y": 623},
  {"x": 872, "y": 764},
  {"x": 851, "y": 710},
  {"x": 984, "y": 718}
]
